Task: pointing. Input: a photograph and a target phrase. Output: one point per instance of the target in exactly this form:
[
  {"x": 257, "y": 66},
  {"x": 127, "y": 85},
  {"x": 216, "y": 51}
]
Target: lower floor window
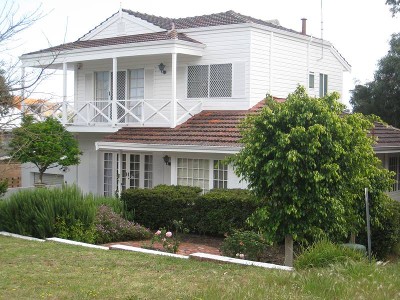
[
  {"x": 108, "y": 167},
  {"x": 220, "y": 175},
  {"x": 194, "y": 172}
]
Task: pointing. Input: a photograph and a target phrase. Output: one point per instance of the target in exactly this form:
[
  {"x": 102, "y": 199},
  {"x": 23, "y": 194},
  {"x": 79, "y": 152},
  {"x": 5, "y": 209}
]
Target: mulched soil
[{"x": 192, "y": 243}]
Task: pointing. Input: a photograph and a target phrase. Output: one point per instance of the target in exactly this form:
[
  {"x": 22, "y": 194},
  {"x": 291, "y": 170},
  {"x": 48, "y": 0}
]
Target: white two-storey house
[{"x": 157, "y": 100}]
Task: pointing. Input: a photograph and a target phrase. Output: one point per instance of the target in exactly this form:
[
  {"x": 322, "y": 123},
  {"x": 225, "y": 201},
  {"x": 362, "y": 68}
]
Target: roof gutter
[{"x": 109, "y": 146}]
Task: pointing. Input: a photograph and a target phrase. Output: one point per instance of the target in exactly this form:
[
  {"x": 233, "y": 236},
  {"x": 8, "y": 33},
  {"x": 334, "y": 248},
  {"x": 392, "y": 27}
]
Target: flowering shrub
[
  {"x": 111, "y": 227},
  {"x": 244, "y": 245},
  {"x": 169, "y": 241}
]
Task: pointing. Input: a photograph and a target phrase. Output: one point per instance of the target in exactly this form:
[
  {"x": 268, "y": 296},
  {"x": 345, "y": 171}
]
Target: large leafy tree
[
  {"x": 45, "y": 144},
  {"x": 311, "y": 163},
  {"x": 382, "y": 95}
]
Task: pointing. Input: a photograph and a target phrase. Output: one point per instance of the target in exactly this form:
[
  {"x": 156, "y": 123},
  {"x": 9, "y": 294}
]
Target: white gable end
[{"x": 121, "y": 24}]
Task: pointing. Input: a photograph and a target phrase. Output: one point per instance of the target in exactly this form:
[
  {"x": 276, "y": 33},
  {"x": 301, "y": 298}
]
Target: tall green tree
[
  {"x": 45, "y": 144},
  {"x": 382, "y": 95},
  {"x": 311, "y": 163}
]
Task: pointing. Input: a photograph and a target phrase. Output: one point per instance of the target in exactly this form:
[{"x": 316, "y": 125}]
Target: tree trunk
[
  {"x": 40, "y": 184},
  {"x": 40, "y": 177},
  {"x": 352, "y": 238},
  {"x": 289, "y": 250}
]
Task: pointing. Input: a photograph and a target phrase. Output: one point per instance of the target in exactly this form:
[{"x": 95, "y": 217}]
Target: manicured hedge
[
  {"x": 215, "y": 213},
  {"x": 221, "y": 211},
  {"x": 158, "y": 207}
]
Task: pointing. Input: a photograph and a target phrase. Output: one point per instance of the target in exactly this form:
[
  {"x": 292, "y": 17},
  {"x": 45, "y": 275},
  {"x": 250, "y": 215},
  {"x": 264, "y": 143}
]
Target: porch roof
[
  {"x": 164, "y": 42},
  {"x": 119, "y": 40},
  {"x": 219, "y": 128}
]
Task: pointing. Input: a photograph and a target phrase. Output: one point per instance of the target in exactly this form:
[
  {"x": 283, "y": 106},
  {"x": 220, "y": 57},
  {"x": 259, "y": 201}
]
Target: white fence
[{"x": 132, "y": 112}]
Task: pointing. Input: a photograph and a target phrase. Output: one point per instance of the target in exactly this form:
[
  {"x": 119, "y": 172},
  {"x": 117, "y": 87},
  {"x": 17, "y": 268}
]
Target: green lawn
[{"x": 33, "y": 270}]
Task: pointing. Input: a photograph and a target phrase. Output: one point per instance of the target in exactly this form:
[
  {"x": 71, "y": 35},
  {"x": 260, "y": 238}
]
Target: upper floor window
[
  {"x": 209, "y": 81},
  {"x": 323, "y": 84}
]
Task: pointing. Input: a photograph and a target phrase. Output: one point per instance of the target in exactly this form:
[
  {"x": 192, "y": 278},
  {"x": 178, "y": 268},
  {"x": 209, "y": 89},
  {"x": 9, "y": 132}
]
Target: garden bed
[{"x": 192, "y": 243}]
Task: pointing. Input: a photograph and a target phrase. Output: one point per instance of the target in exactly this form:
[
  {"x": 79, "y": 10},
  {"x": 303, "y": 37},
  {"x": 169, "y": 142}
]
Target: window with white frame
[
  {"x": 323, "y": 84},
  {"x": 220, "y": 173},
  {"x": 193, "y": 172},
  {"x": 136, "y": 84},
  {"x": 134, "y": 171},
  {"x": 148, "y": 171},
  {"x": 108, "y": 172},
  {"x": 209, "y": 81},
  {"x": 394, "y": 166},
  {"x": 311, "y": 80},
  {"x": 102, "y": 86}
]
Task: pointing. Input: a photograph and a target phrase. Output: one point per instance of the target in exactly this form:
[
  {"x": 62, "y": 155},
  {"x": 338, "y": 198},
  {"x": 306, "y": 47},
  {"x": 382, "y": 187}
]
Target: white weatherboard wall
[
  {"x": 87, "y": 172},
  {"x": 280, "y": 62},
  {"x": 259, "y": 64}
]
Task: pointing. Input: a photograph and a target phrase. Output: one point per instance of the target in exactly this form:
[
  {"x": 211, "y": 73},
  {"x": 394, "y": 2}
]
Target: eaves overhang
[
  {"x": 54, "y": 60},
  {"x": 115, "y": 146}
]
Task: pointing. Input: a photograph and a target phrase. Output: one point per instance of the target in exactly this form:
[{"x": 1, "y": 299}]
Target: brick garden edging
[{"x": 194, "y": 256}]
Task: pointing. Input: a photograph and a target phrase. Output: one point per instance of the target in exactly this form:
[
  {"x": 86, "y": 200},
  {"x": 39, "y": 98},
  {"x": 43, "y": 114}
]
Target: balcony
[{"x": 108, "y": 115}]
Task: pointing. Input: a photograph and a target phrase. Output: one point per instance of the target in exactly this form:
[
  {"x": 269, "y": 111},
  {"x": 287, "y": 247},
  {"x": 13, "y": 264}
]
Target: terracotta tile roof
[
  {"x": 386, "y": 135},
  {"x": 224, "y": 18},
  {"x": 218, "y": 128},
  {"x": 119, "y": 40},
  {"x": 207, "y": 128}
]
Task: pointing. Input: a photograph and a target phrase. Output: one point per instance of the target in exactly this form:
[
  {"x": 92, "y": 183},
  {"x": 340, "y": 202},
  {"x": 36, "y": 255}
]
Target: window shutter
[
  {"x": 149, "y": 84},
  {"x": 181, "y": 83},
  {"x": 89, "y": 88},
  {"x": 239, "y": 80}
]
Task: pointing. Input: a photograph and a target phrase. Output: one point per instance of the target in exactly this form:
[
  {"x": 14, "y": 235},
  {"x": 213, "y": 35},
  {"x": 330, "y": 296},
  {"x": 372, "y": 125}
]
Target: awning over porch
[{"x": 122, "y": 46}]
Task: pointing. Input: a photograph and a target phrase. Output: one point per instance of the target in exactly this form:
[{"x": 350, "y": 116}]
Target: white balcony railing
[{"x": 103, "y": 113}]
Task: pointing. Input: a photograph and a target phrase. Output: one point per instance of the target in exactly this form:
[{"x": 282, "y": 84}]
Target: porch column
[
  {"x": 22, "y": 100},
  {"x": 64, "y": 97},
  {"x": 173, "y": 88},
  {"x": 114, "y": 92}
]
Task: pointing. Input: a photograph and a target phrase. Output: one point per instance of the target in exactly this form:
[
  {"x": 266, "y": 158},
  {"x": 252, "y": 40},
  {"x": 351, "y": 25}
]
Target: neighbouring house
[{"x": 157, "y": 100}]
